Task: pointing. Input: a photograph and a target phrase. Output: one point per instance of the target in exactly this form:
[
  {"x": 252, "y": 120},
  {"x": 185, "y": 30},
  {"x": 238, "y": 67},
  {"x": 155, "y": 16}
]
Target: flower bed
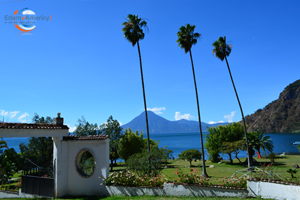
[{"x": 127, "y": 183}]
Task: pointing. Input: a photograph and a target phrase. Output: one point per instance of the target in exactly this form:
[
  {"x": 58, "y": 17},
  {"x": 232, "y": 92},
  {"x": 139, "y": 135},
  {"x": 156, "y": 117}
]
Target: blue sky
[{"x": 79, "y": 63}]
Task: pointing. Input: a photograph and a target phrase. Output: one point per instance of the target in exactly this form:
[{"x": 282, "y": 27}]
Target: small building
[{"x": 70, "y": 156}]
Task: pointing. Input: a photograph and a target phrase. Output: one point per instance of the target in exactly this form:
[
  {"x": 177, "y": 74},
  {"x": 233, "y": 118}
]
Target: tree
[
  {"x": 186, "y": 39},
  {"x": 113, "y": 129},
  {"x": 39, "y": 149},
  {"x": 133, "y": 32},
  {"x": 130, "y": 143},
  {"x": 10, "y": 162},
  {"x": 3, "y": 144},
  {"x": 84, "y": 128},
  {"x": 218, "y": 136},
  {"x": 221, "y": 51},
  {"x": 190, "y": 155},
  {"x": 258, "y": 140},
  {"x": 263, "y": 142},
  {"x": 233, "y": 147},
  {"x": 139, "y": 162}
]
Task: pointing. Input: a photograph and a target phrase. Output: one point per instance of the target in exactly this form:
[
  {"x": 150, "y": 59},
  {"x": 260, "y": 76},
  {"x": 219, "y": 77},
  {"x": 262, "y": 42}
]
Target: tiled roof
[
  {"x": 32, "y": 126},
  {"x": 90, "y": 137}
]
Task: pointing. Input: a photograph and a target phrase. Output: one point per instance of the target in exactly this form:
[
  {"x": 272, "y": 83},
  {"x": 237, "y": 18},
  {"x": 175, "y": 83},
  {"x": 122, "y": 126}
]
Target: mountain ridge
[
  {"x": 158, "y": 124},
  {"x": 279, "y": 116}
]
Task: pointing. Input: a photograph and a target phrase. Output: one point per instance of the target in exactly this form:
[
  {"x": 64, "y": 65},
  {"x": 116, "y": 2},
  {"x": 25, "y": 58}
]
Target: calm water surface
[{"x": 178, "y": 142}]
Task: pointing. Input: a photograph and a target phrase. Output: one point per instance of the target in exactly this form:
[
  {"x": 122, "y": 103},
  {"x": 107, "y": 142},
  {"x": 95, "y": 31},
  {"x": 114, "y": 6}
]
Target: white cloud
[
  {"x": 120, "y": 123},
  {"x": 212, "y": 122},
  {"x": 13, "y": 113},
  {"x": 3, "y": 113},
  {"x": 157, "y": 110},
  {"x": 179, "y": 116},
  {"x": 24, "y": 118},
  {"x": 230, "y": 117},
  {"x": 72, "y": 129}
]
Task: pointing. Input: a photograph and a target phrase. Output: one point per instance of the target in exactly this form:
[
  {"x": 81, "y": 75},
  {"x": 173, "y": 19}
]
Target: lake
[{"x": 178, "y": 142}]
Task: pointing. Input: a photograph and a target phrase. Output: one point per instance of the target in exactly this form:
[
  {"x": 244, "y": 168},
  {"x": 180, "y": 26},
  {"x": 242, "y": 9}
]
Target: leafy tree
[
  {"x": 10, "y": 162},
  {"x": 39, "y": 149},
  {"x": 220, "y": 134},
  {"x": 133, "y": 32},
  {"x": 233, "y": 147},
  {"x": 186, "y": 39},
  {"x": 113, "y": 129},
  {"x": 190, "y": 155},
  {"x": 221, "y": 51},
  {"x": 139, "y": 162},
  {"x": 3, "y": 144},
  {"x": 84, "y": 128},
  {"x": 130, "y": 143},
  {"x": 37, "y": 119}
]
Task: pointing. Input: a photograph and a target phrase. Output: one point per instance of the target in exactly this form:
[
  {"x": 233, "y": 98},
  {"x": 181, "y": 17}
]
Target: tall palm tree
[
  {"x": 133, "y": 32},
  {"x": 221, "y": 51},
  {"x": 186, "y": 39}
]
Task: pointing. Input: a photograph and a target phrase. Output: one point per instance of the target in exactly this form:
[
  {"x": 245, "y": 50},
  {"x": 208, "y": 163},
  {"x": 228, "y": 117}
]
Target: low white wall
[
  {"x": 273, "y": 190},
  {"x": 134, "y": 191},
  {"x": 196, "y": 191},
  {"x": 170, "y": 189}
]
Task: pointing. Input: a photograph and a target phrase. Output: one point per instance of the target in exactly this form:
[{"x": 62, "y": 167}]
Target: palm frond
[
  {"x": 133, "y": 28},
  {"x": 221, "y": 49},
  {"x": 186, "y": 37}
]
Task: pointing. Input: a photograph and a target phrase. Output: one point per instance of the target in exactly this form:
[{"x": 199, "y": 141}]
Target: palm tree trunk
[
  {"x": 245, "y": 129},
  {"x": 204, "y": 174},
  {"x": 144, "y": 95}
]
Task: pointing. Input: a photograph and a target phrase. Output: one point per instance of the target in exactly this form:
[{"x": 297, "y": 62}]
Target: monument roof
[
  {"x": 90, "y": 137},
  {"x": 4, "y": 125}
]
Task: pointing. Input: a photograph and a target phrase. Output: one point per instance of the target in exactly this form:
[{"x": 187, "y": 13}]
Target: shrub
[
  {"x": 233, "y": 182},
  {"x": 191, "y": 178},
  {"x": 128, "y": 178},
  {"x": 139, "y": 162}
]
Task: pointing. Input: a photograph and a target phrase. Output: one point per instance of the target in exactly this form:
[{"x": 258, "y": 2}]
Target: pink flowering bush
[
  {"x": 233, "y": 182},
  {"x": 191, "y": 178},
  {"x": 131, "y": 179}
]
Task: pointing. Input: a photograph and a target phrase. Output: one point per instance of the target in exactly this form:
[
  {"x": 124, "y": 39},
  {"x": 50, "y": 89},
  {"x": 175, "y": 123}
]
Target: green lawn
[{"x": 282, "y": 164}]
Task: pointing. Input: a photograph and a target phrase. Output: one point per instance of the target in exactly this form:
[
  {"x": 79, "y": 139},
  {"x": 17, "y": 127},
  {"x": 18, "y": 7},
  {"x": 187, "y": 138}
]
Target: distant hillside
[
  {"x": 158, "y": 124},
  {"x": 279, "y": 116}
]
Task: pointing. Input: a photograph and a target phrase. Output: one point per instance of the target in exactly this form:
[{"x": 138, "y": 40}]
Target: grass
[{"x": 282, "y": 164}]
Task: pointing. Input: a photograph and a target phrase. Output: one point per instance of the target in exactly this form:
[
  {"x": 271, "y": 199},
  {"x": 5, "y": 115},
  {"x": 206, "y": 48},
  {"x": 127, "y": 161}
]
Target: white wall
[
  {"x": 273, "y": 190},
  {"x": 68, "y": 181}
]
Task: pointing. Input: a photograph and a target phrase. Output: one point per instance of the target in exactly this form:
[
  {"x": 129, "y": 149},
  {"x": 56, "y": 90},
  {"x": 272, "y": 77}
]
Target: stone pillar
[
  {"x": 58, "y": 120},
  {"x": 60, "y": 166}
]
